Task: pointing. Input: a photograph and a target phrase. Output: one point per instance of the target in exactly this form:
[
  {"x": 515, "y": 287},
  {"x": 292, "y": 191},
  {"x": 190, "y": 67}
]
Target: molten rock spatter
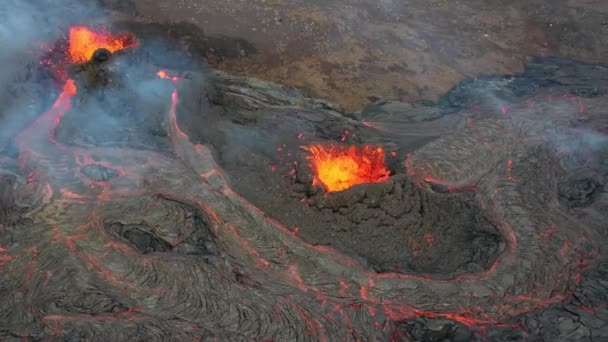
[
  {"x": 83, "y": 42},
  {"x": 338, "y": 168}
]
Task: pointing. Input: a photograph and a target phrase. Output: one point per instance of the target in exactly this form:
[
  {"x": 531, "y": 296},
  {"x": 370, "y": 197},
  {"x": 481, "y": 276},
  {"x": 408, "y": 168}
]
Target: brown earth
[{"x": 351, "y": 52}]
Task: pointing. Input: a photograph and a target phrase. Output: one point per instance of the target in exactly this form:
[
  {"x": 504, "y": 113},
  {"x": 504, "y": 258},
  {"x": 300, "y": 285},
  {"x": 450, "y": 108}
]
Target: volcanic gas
[
  {"x": 84, "y": 41},
  {"x": 338, "y": 167}
]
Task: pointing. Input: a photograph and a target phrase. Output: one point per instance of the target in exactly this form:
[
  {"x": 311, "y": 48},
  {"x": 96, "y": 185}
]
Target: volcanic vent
[
  {"x": 317, "y": 174},
  {"x": 339, "y": 168},
  {"x": 154, "y": 200}
]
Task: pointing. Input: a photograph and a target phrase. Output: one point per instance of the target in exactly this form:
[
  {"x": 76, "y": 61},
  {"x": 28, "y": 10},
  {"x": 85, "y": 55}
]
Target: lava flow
[
  {"x": 80, "y": 264},
  {"x": 338, "y": 168},
  {"x": 84, "y": 42}
]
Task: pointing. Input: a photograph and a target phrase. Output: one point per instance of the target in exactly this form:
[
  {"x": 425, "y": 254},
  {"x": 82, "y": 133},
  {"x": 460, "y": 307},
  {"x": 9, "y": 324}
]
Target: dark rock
[
  {"x": 99, "y": 172},
  {"x": 429, "y": 330},
  {"x": 579, "y": 191},
  {"x": 399, "y": 111},
  {"x": 101, "y": 55},
  {"x": 141, "y": 240}
]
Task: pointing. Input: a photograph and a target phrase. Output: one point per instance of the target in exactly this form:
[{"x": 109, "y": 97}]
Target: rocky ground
[
  {"x": 136, "y": 207},
  {"x": 352, "y": 52}
]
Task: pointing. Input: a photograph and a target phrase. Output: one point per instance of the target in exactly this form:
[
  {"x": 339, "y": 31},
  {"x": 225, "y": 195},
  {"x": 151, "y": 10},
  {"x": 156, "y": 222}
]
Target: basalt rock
[{"x": 183, "y": 207}]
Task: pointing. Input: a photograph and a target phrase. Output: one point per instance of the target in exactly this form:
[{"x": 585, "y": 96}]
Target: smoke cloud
[{"x": 27, "y": 29}]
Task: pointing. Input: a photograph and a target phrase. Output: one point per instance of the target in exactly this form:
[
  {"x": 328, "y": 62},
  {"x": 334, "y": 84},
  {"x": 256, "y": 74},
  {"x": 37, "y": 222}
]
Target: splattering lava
[
  {"x": 338, "y": 167},
  {"x": 84, "y": 42}
]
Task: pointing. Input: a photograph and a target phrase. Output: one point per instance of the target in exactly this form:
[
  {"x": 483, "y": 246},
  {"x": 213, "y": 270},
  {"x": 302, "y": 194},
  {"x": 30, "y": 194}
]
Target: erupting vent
[
  {"x": 84, "y": 42},
  {"x": 338, "y": 168}
]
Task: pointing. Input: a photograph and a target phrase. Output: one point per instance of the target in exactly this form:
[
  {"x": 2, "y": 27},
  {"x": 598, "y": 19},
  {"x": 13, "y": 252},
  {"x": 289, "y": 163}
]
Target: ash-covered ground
[{"x": 145, "y": 197}]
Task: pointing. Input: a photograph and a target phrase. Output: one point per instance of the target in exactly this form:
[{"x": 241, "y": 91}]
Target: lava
[
  {"x": 84, "y": 42},
  {"x": 338, "y": 167},
  {"x": 335, "y": 167},
  {"x": 61, "y": 106},
  {"x": 164, "y": 74}
]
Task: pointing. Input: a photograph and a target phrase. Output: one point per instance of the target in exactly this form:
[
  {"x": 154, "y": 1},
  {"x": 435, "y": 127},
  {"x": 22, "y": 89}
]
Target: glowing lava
[
  {"x": 338, "y": 168},
  {"x": 165, "y": 75},
  {"x": 84, "y": 42}
]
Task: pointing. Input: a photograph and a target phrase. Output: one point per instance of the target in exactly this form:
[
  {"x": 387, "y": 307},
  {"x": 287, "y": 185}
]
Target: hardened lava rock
[
  {"x": 210, "y": 227},
  {"x": 99, "y": 172},
  {"x": 398, "y": 227},
  {"x": 579, "y": 190},
  {"x": 423, "y": 329},
  {"x": 159, "y": 224}
]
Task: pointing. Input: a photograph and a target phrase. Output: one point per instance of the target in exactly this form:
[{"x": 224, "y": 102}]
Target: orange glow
[
  {"x": 70, "y": 88},
  {"x": 165, "y": 75},
  {"x": 338, "y": 168},
  {"x": 84, "y": 42}
]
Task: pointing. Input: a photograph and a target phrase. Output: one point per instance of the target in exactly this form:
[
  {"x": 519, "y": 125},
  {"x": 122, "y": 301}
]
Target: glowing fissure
[{"x": 338, "y": 167}]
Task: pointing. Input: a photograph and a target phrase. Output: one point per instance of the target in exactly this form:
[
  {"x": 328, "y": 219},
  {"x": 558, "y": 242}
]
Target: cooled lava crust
[{"x": 154, "y": 204}]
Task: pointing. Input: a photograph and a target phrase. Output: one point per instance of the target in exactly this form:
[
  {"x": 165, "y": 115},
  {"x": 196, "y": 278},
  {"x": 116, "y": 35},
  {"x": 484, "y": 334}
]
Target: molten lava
[
  {"x": 338, "y": 168},
  {"x": 165, "y": 75},
  {"x": 84, "y": 42}
]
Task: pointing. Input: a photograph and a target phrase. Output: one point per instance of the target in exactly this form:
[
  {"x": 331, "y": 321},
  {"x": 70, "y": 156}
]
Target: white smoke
[{"x": 27, "y": 29}]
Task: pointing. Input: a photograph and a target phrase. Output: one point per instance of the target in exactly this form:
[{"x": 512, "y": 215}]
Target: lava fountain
[
  {"x": 338, "y": 168},
  {"x": 84, "y": 42}
]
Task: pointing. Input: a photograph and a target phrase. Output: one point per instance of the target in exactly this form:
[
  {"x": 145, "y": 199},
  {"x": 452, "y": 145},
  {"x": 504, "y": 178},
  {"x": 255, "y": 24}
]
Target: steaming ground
[{"x": 135, "y": 217}]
